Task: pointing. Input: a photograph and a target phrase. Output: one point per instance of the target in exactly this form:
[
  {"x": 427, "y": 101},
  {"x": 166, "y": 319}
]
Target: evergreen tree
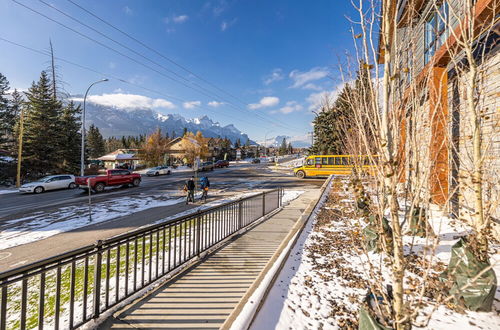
[
  {"x": 113, "y": 144},
  {"x": 95, "y": 142},
  {"x": 184, "y": 132},
  {"x": 283, "y": 148},
  {"x": 237, "y": 144},
  {"x": 42, "y": 134},
  {"x": 7, "y": 117},
  {"x": 71, "y": 138},
  {"x": 290, "y": 148},
  {"x": 16, "y": 105},
  {"x": 124, "y": 143},
  {"x": 330, "y": 125}
]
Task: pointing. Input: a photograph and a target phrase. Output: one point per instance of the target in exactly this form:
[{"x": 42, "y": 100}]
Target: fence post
[
  {"x": 97, "y": 280},
  {"x": 280, "y": 197},
  {"x": 198, "y": 234},
  {"x": 240, "y": 214},
  {"x": 264, "y": 203}
]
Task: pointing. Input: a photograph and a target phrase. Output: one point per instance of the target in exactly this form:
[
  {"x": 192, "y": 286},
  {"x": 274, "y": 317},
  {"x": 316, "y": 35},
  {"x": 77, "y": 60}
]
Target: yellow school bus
[{"x": 324, "y": 165}]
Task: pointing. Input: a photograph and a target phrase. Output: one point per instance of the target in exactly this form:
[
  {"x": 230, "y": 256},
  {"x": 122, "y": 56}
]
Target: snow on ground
[
  {"x": 172, "y": 170},
  {"x": 290, "y": 195},
  {"x": 8, "y": 191},
  {"x": 40, "y": 225},
  {"x": 327, "y": 276},
  {"x": 292, "y": 163}
]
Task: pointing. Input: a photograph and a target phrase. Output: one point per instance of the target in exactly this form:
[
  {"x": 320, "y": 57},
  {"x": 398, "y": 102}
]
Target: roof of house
[{"x": 115, "y": 157}]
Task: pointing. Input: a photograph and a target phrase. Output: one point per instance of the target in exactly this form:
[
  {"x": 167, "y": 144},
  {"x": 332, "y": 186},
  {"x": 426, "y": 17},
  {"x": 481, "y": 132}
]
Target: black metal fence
[{"x": 68, "y": 290}]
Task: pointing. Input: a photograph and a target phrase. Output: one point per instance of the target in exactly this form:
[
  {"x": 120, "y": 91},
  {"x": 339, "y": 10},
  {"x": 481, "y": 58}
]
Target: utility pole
[
  {"x": 20, "y": 148},
  {"x": 53, "y": 68}
]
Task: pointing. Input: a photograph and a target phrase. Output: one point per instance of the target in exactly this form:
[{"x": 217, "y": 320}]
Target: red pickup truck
[{"x": 112, "y": 178}]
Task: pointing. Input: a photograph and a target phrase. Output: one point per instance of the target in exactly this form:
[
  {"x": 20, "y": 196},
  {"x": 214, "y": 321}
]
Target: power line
[
  {"x": 133, "y": 59},
  {"x": 116, "y": 78},
  {"x": 173, "y": 62},
  {"x": 155, "y": 51}
]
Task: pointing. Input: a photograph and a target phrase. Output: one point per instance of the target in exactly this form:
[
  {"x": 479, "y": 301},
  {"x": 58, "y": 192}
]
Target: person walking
[
  {"x": 204, "y": 184},
  {"x": 189, "y": 188}
]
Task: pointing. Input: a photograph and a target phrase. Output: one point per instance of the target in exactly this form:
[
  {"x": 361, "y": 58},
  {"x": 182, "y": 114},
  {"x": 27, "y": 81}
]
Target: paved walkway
[{"x": 206, "y": 295}]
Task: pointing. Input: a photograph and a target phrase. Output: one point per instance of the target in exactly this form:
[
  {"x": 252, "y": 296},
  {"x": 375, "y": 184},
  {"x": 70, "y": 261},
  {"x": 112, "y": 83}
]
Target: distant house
[
  {"x": 177, "y": 148},
  {"x": 128, "y": 158}
]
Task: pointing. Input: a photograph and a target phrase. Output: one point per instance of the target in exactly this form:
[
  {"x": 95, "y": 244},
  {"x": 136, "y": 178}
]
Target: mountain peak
[{"x": 115, "y": 122}]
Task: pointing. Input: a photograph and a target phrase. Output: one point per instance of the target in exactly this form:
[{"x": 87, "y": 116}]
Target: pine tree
[
  {"x": 7, "y": 117},
  {"x": 95, "y": 142},
  {"x": 113, "y": 144},
  {"x": 330, "y": 125},
  {"x": 71, "y": 138},
  {"x": 283, "y": 147},
  {"x": 42, "y": 134},
  {"x": 290, "y": 148},
  {"x": 237, "y": 144}
]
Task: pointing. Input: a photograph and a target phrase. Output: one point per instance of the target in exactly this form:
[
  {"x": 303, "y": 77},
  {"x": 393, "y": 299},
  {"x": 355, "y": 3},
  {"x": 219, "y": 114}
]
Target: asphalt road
[{"x": 233, "y": 180}]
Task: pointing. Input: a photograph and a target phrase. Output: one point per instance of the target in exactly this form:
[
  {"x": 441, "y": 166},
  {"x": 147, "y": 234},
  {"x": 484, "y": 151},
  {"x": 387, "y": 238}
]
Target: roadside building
[
  {"x": 121, "y": 158},
  {"x": 431, "y": 80}
]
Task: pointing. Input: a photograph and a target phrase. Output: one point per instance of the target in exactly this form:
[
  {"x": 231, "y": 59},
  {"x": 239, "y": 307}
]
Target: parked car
[
  {"x": 51, "y": 182},
  {"x": 255, "y": 161},
  {"x": 158, "y": 170},
  {"x": 221, "y": 163},
  {"x": 207, "y": 166},
  {"x": 112, "y": 178}
]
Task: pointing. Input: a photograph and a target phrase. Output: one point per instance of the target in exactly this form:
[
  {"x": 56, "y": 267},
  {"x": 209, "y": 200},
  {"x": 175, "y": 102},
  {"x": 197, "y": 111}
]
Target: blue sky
[{"x": 270, "y": 60}]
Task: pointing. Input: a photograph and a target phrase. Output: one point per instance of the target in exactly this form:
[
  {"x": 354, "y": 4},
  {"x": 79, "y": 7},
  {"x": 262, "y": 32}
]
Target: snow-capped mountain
[
  {"x": 297, "y": 141},
  {"x": 113, "y": 121}
]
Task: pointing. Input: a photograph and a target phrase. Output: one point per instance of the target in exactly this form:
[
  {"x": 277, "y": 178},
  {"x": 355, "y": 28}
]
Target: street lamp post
[{"x": 82, "y": 156}]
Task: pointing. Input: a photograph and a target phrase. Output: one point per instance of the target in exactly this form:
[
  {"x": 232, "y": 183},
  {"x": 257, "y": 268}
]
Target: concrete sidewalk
[{"x": 204, "y": 296}]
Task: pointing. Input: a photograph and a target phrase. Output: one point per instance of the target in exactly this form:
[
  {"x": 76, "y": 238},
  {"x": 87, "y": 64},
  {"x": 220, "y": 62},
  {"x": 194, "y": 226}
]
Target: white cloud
[
  {"x": 317, "y": 100},
  {"x": 268, "y": 101},
  {"x": 180, "y": 18},
  {"x": 290, "y": 107},
  {"x": 275, "y": 75},
  {"x": 128, "y": 10},
  {"x": 215, "y": 104},
  {"x": 226, "y": 24},
  {"x": 127, "y": 101},
  {"x": 302, "y": 78},
  {"x": 191, "y": 104},
  {"x": 313, "y": 87}
]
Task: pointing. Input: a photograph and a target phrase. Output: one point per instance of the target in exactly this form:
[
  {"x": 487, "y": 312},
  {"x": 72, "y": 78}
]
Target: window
[
  {"x": 435, "y": 31},
  {"x": 331, "y": 160},
  {"x": 310, "y": 162},
  {"x": 324, "y": 161},
  {"x": 318, "y": 160}
]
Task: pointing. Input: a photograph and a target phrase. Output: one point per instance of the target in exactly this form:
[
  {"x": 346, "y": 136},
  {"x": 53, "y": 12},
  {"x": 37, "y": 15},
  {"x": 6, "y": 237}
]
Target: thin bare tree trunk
[{"x": 387, "y": 144}]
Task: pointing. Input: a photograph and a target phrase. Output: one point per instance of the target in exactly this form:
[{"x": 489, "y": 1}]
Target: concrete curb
[{"x": 244, "y": 313}]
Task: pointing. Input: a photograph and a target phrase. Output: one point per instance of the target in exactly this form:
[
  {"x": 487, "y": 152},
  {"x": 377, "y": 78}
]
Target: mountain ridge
[{"x": 113, "y": 121}]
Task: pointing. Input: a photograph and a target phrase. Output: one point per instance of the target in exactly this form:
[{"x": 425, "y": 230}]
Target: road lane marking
[{"x": 5, "y": 255}]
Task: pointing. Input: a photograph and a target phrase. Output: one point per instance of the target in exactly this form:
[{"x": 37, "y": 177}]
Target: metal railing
[{"x": 68, "y": 290}]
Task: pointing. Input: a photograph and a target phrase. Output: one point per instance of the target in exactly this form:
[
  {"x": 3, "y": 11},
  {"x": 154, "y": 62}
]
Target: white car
[
  {"x": 51, "y": 182},
  {"x": 158, "y": 170}
]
